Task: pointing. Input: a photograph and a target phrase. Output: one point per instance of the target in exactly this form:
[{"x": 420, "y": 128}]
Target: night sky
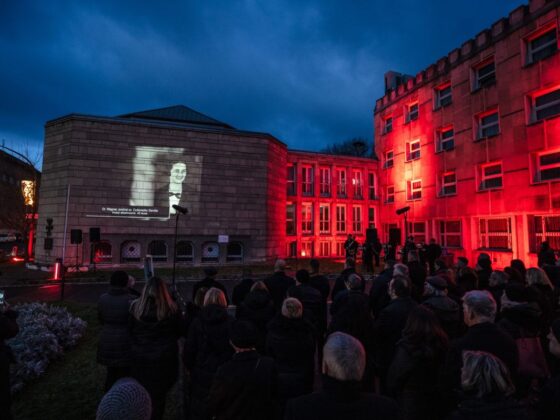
[{"x": 307, "y": 72}]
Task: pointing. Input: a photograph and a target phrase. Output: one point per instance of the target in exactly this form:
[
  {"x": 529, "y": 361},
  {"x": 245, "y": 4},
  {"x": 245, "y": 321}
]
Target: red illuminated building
[{"x": 472, "y": 143}]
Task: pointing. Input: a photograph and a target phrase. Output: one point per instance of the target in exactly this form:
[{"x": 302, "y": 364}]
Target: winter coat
[
  {"x": 241, "y": 290},
  {"x": 412, "y": 379},
  {"x": 340, "y": 282},
  {"x": 350, "y": 314},
  {"x": 549, "y": 403},
  {"x": 497, "y": 408},
  {"x": 418, "y": 274},
  {"x": 291, "y": 343},
  {"x": 258, "y": 309},
  {"x": 278, "y": 285},
  {"x": 209, "y": 283},
  {"x": 497, "y": 293},
  {"x": 313, "y": 306},
  {"x": 388, "y": 327},
  {"x": 521, "y": 321},
  {"x": 448, "y": 313},
  {"x": 379, "y": 293},
  {"x": 114, "y": 340},
  {"x": 206, "y": 349},
  {"x": 245, "y": 388},
  {"x": 341, "y": 400},
  {"x": 321, "y": 283}
]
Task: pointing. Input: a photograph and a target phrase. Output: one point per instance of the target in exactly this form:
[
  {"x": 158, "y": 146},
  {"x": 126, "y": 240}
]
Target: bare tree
[{"x": 356, "y": 146}]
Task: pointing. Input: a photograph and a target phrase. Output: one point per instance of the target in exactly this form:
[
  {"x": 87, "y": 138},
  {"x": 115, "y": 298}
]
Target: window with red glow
[
  {"x": 413, "y": 150},
  {"x": 545, "y": 105},
  {"x": 445, "y": 139},
  {"x": 414, "y": 189},
  {"x": 307, "y": 218},
  {"x": 411, "y": 112},
  {"x": 541, "y": 45},
  {"x": 307, "y": 249},
  {"x": 325, "y": 179},
  {"x": 357, "y": 184},
  {"x": 418, "y": 231},
  {"x": 544, "y": 228},
  {"x": 290, "y": 219},
  {"x": 324, "y": 218},
  {"x": 490, "y": 176},
  {"x": 390, "y": 194},
  {"x": 340, "y": 250},
  {"x": 340, "y": 218},
  {"x": 388, "y": 125},
  {"x": 388, "y": 159},
  {"x": 495, "y": 233},
  {"x": 357, "y": 219},
  {"x": 448, "y": 183},
  {"x": 102, "y": 252},
  {"x": 450, "y": 233},
  {"x": 291, "y": 181},
  {"x": 484, "y": 74},
  {"x": 371, "y": 217},
  {"x": 371, "y": 186},
  {"x": 387, "y": 229},
  {"x": 443, "y": 95},
  {"x": 324, "y": 249},
  {"x": 487, "y": 124},
  {"x": 548, "y": 166},
  {"x": 341, "y": 183},
  {"x": 307, "y": 180},
  {"x": 292, "y": 249}
]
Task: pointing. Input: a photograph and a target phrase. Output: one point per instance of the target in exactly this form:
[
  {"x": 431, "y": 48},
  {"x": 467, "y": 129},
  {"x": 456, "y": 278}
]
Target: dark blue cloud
[{"x": 307, "y": 72}]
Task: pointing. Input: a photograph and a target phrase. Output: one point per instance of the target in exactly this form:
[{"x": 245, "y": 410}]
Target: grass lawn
[{"x": 72, "y": 386}]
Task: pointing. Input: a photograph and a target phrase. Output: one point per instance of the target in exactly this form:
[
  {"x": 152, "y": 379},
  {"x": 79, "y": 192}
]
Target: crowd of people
[{"x": 424, "y": 341}]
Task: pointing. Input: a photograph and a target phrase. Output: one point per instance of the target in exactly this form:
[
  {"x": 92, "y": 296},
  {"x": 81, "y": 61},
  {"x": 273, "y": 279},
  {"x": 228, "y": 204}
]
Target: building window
[
  {"x": 357, "y": 219},
  {"x": 495, "y": 233},
  {"x": 448, "y": 183},
  {"x": 548, "y": 166},
  {"x": 490, "y": 176},
  {"x": 540, "y": 46},
  {"x": 341, "y": 183},
  {"x": 307, "y": 249},
  {"x": 487, "y": 125},
  {"x": 292, "y": 249},
  {"x": 390, "y": 194},
  {"x": 371, "y": 186},
  {"x": 357, "y": 184},
  {"x": 185, "y": 251},
  {"x": 340, "y": 218},
  {"x": 484, "y": 74},
  {"x": 413, "y": 150},
  {"x": 412, "y": 112},
  {"x": 324, "y": 249},
  {"x": 414, "y": 189},
  {"x": 210, "y": 252},
  {"x": 443, "y": 95},
  {"x": 307, "y": 218},
  {"x": 545, "y": 105},
  {"x": 388, "y": 125},
  {"x": 387, "y": 229},
  {"x": 131, "y": 251},
  {"x": 544, "y": 228},
  {"x": 340, "y": 250},
  {"x": 307, "y": 180},
  {"x": 324, "y": 218},
  {"x": 388, "y": 159},
  {"x": 102, "y": 252},
  {"x": 445, "y": 139},
  {"x": 290, "y": 219},
  {"x": 450, "y": 233},
  {"x": 291, "y": 181},
  {"x": 234, "y": 252},
  {"x": 158, "y": 251},
  {"x": 418, "y": 231},
  {"x": 325, "y": 185},
  {"x": 371, "y": 217}
]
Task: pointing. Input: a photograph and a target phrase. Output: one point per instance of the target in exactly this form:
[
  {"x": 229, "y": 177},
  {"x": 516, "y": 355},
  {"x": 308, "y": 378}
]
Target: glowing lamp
[
  {"x": 28, "y": 192},
  {"x": 303, "y": 253},
  {"x": 57, "y": 270}
]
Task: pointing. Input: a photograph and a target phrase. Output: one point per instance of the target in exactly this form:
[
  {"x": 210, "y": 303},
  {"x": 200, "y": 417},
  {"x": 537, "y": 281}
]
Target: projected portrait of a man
[{"x": 176, "y": 178}]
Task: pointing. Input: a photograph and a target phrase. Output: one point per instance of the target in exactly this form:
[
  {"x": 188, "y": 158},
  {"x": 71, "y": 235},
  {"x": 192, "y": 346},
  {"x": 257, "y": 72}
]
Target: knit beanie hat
[{"x": 126, "y": 400}]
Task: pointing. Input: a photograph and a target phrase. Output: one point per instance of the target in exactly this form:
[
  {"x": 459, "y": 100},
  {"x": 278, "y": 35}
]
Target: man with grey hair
[
  {"x": 344, "y": 362},
  {"x": 479, "y": 312}
]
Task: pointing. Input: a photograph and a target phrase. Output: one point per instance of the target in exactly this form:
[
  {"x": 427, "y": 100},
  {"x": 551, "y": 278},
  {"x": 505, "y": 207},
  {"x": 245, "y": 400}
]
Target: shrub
[{"x": 46, "y": 331}]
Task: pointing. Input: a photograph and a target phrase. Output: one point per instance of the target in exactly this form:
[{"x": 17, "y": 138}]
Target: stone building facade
[{"x": 472, "y": 143}]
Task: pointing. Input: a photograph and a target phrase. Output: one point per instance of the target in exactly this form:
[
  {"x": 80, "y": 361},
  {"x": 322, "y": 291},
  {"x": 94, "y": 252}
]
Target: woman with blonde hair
[
  {"x": 206, "y": 349},
  {"x": 155, "y": 326},
  {"x": 542, "y": 292}
]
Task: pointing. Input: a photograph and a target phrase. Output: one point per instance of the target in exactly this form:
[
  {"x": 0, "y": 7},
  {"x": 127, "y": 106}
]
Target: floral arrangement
[{"x": 46, "y": 331}]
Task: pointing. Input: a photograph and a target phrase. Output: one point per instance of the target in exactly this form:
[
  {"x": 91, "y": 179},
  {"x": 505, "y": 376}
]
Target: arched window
[
  {"x": 102, "y": 252},
  {"x": 185, "y": 251},
  {"x": 131, "y": 251},
  {"x": 210, "y": 252},
  {"x": 158, "y": 251},
  {"x": 234, "y": 251}
]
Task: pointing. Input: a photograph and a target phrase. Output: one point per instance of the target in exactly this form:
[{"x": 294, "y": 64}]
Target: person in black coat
[
  {"x": 417, "y": 273},
  {"x": 433, "y": 252},
  {"x": 206, "y": 349},
  {"x": 541, "y": 291},
  {"x": 488, "y": 390},
  {"x": 387, "y": 329},
  {"x": 546, "y": 255},
  {"x": 413, "y": 376},
  {"x": 113, "y": 310},
  {"x": 258, "y": 309},
  {"x": 497, "y": 285},
  {"x": 319, "y": 281},
  {"x": 379, "y": 291},
  {"x": 447, "y": 311},
  {"x": 241, "y": 290},
  {"x": 291, "y": 343},
  {"x": 313, "y": 307},
  {"x": 340, "y": 397},
  {"x": 549, "y": 403},
  {"x": 208, "y": 282},
  {"x": 155, "y": 325},
  {"x": 278, "y": 284},
  {"x": 340, "y": 282},
  {"x": 479, "y": 312},
  {"x": 246, "y": 386},
  {"x": 8, "y": 329},
  {"x": 483, "y": 270}
]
